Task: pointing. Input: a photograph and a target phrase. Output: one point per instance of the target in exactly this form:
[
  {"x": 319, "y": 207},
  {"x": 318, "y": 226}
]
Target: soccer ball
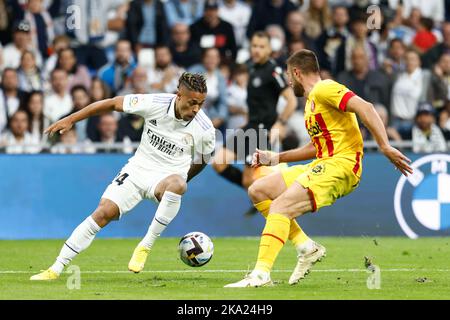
[{"x": 196, "y": 249}]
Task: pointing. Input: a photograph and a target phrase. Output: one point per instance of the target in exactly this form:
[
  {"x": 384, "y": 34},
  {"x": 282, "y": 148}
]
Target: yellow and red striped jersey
[{"x": 333, "y": 131}]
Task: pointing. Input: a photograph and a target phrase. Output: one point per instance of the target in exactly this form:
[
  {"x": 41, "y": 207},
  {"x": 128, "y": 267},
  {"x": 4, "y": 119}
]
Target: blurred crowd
[{"x": 58, "y": 56}]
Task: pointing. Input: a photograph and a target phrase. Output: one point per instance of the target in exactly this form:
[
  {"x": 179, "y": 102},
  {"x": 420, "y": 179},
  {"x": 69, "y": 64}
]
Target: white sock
[
  {"x": 167, "y": 210},
  {"x": 305, "y": 247},
  {"x": 80, "y": 239}
]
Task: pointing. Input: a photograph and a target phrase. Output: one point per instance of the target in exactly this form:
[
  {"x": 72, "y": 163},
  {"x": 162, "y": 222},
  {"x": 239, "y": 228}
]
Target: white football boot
[
  {"x": 252, "y": 280},
  {"x": 306, "y": 261}
]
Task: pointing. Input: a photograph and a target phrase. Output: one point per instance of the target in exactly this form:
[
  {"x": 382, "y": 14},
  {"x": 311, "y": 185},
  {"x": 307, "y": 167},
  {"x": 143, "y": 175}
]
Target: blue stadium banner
[{"x": 47, "y": 196}]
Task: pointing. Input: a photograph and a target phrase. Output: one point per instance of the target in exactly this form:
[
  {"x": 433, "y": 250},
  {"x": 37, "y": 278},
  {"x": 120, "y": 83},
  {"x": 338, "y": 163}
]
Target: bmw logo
[{"x": 422, "y": 200}]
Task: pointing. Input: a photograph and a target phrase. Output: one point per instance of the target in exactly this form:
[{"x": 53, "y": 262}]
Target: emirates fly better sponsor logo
[{"x": 163, "y": 145}]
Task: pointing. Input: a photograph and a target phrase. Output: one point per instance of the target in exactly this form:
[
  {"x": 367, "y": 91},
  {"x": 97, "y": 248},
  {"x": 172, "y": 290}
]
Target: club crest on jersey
[
  {"x": 187, "y": 139},
  {"x": 257, "y": 82},
  {"x": 422, "y": 200},
  {"x": 318, "y": 169}
]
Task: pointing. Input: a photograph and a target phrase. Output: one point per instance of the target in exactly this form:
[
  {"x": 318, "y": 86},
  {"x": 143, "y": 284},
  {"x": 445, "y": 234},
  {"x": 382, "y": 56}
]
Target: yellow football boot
[
  {"x": 138, "y": 259},
  {"x": 46, "y": 275}
]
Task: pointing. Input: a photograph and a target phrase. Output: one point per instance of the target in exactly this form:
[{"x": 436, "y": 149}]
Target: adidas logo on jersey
[{"x": 153, "y": 122}]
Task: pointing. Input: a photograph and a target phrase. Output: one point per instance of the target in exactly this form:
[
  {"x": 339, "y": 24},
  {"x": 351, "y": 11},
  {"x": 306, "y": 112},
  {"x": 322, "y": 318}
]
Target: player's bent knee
[
  {"x": 176, "y": 185},
  {"x": 106, "y": 212},
  {"x": 256, "y": 192},
  {"x": 290, "y": 207}
]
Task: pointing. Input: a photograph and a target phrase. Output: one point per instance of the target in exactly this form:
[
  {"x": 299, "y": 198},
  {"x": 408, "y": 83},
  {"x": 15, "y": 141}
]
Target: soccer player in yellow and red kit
[{"x": 337, "y": 145}]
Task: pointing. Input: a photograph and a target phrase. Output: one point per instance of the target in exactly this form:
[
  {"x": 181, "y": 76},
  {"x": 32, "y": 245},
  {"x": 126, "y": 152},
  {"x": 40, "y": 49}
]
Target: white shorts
[{"x": 132, "y": 185}]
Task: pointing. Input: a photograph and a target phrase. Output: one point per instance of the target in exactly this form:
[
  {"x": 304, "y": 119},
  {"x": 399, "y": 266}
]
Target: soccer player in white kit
[{"x": 175, "y": 131}]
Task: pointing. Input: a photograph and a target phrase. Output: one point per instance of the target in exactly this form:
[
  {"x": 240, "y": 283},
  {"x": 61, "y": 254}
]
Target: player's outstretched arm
[
  {"x": 96, "y": 108},
  {"x": 372, "y": 121},
  {"x": 269, "y": 158}
]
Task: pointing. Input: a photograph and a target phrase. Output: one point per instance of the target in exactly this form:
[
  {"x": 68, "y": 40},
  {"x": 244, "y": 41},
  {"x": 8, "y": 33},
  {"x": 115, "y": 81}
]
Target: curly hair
[{"x": 193, "y": 81}]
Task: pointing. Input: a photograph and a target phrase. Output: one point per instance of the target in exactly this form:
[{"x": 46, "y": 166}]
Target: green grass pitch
[{"x": 410, "y": 269}]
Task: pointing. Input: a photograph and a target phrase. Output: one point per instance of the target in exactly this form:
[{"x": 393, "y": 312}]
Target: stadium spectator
[
  {"x": 78, "y": 74},
  {"x": 109, "y": 135},
  {"x": 409, "y": 90},
  {"x": 211, "y": 31},
  {"x": 426, "y": 136},
  {"x": 238, "y": 14},
  {"x": 99, "y": 91},
  {"x": 394, "y": 63},
  {"x": 89, "y": 33},
  {"x": 41, "y": 25},
  {"x": 184, "y": 52},
  {"x": 116, "y": 73},
  {"x": 68, "y": 144},
  {"x": 359, "y": 37},
  {"x": 34, "y": 107},
  {"x": 433, "y": 9},
  {"x": 183, "y": 11},
  {"x": 58, "y": 101},
  {"x": 319, "y": 18},
  {"x": 80, "y": 98},
  {"x": 432, "y": 55},
  {"x": 444, "y": 120},
  {"x": 108, "y": 129},
  {"x": 225, "y": 70},
  {"x": 6, "y": 23},
  {"x": 146, "y": 24},
  {"x": 163, "y": 77},
  {"x": 424, "y": 38},
  {"x": 30, "y": 76},
  {"x": 131, "y": 125},
  {"x": 414, "y": 20},
  {"x": 439, "y": 93},
  {"x": 215, "y": 105},
  {"x": 332, "y": 37},
  {"x": 17, "y": 139},
  {"x": 392, "y": 133},
  {"x": 371, "y": 85},
  {"x": 381, "y": 39},
  {"x": 58, "y": 12},
  {"x": 295, "y": 29},
  {"x": 398, "y": 29},
  {"x": 138, "y": 83},
  {"x": 295, "y": 26},
  {"x": 237, "y": 98},
  {"x": 447, "y": 10},
  {"x": 267, "y": 12},
  {"x": 277, "y": 43},
  {"x": 10, "y": 96},
  {"x": 117, "y": 18},
  {"x": 12, "y": 53},
  {"x": 296, "y": 45},
  {"x": 59, "y": 43}
]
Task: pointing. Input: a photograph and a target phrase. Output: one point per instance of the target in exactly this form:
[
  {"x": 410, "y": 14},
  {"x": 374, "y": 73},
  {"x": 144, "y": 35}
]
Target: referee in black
[{"x": 266, "y": 84}]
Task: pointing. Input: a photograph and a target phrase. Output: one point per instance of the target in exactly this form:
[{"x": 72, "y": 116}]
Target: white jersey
[{"x": 168, "y": 144}]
